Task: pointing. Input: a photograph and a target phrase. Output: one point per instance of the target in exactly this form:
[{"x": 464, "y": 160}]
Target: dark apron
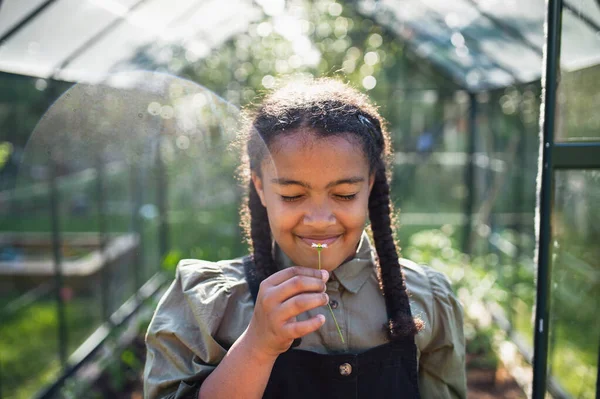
[{"x": 386, "y": 371}]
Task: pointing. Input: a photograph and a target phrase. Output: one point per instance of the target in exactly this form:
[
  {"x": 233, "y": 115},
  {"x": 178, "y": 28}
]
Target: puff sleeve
[
  {"x": 181, "y": 341},
  {"x": 442, "y": 371}
]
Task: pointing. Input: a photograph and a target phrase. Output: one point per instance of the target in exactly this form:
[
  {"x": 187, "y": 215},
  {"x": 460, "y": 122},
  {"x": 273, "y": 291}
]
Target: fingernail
[{"x": 325, "y": 275}]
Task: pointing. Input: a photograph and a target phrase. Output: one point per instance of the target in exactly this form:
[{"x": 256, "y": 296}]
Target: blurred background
[{"x": 117, "y": 119}]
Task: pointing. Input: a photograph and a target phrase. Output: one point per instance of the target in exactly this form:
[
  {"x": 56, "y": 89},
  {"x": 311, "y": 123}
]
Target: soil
[{"x": 485, "y": 383}]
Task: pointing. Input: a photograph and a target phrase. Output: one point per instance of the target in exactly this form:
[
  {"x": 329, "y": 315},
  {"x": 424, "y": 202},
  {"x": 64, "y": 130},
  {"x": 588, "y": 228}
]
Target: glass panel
[
  {"x": 430, "y": 144},
  {"x": 81, "y": 264},
  {"x": 525, "y": 17},
  {"x": 148, "y": 229},
  {"x": 513, "y": 121},
  {"x": 148, "y": 36},
  {"x": 13, "y": 12},
  {"x": 579, "y": 89},
  {"x": 155, "y": 24},
  {"x": 33, "y": 51},
  {"x": 575, "y": 283},
  {"x": 120, "y": 241},
  {"x": 579, "y": 119},
  {"x": 28, "y": 305},
  {"x": 580, "y": 40},
  {"x": 588, "y": 8},
  {"x": 461, "y": 39}
]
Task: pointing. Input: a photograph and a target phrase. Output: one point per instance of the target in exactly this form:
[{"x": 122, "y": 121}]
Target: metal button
[
  {"x": 346, "y": 369},
  {"x": 333, "y": 303}
]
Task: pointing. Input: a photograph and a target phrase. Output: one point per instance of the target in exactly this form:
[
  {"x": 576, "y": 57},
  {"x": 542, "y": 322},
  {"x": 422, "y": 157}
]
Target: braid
[
  {"x": 391, "y": 279},
  {"x": 260, "y": 231}
]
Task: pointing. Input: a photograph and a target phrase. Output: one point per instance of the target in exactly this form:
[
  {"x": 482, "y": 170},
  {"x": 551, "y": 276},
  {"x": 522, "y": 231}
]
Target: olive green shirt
[{"x": 209, "y": 305}]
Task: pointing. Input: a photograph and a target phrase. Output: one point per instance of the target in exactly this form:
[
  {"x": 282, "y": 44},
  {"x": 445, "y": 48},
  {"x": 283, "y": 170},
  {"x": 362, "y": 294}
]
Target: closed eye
[
  {"x": 290, "y": 199},
  {"x": 293, "y": 198}
]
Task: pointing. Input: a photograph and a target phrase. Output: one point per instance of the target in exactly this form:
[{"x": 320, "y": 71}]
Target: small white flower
[{"x": 319, "y": 246}]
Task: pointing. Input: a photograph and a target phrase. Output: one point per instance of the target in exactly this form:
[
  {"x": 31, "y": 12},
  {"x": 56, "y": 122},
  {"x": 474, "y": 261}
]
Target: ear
[
  {"x": 371, "y": 181},
  {"x": 258, "y": 185}
]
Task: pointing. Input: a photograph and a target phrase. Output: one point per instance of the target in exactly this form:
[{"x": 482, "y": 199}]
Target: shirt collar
[{"x": 351, "y": 274}]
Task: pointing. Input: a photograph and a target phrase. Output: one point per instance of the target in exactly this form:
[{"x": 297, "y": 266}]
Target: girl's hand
[{"x": 282, "y": 297}]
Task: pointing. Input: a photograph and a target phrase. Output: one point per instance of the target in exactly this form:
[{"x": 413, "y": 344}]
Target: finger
[
  {"x": 301, "y": 328},
  {"x": 296, "y": 285},
  {"x": 289, "y": 272},
  {"x": 300, "y": 304}
]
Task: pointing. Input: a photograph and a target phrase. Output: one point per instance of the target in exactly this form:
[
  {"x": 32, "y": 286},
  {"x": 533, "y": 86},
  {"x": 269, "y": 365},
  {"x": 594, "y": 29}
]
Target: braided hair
[{"x": 327, "y": 107}]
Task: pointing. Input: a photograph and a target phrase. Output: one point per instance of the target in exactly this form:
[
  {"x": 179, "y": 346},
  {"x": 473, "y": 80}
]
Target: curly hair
[{"x": 327, "y": 107}]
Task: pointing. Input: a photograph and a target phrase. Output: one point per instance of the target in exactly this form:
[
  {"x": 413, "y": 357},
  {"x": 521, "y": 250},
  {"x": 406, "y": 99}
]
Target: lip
[{"x": 310, "y": 240}]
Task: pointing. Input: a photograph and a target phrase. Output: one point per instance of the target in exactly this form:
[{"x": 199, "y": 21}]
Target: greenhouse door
[{"x": 567, "y": 328}]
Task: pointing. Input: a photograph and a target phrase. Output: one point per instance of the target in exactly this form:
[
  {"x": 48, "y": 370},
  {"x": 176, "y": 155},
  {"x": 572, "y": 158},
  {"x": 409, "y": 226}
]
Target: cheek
[
  {"x": 355, "y": 215},
  {"x": 364, "y": 212},
  {"x": 282, "y": 218}
]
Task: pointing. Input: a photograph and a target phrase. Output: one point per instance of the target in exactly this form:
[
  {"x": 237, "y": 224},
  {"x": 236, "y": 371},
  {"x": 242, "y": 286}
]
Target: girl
[{"x": 316, "y": 169}]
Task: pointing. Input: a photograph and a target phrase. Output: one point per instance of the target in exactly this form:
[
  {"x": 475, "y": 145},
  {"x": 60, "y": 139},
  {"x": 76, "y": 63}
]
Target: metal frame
[
  {"x": 598, "y": 376},
  {"x": 576, "y": 155},
  {"x": 161, "y": 200},
  {"x": 136, "y": 222},
  {"x": 102, "y": 236},
  {"x": 545, "y": 191},
  {"x": 470, "y": 174},
  {"x": 58, "y": 275}
]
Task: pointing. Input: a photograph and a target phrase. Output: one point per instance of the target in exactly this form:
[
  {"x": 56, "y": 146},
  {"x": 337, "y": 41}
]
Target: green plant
[{"x": 33, "y": 334}]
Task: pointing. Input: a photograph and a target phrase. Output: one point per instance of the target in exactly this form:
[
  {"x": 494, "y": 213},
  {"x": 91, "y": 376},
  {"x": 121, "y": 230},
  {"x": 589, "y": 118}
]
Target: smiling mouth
[{"x": 320, "y": 240}]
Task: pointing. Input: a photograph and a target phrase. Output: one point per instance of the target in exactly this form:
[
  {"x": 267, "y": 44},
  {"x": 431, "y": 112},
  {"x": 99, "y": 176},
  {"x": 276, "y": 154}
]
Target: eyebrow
[{"x": 289, "y": 182}]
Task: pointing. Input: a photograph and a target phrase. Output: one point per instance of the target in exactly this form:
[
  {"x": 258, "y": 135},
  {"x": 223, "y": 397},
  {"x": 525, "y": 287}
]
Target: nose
[{"x": 319, "y": 215}]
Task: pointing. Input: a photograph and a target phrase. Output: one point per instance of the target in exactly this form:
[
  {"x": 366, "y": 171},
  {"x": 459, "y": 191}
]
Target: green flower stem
[{"x": 328, "y": 305}]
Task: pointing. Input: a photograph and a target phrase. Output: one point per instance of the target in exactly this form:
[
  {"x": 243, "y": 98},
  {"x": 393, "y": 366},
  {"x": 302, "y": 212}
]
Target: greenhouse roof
[
  {"x": 77, "y": 40},
  {"x": 486, "y": 44},
  {"x": 481, "y": 44}
]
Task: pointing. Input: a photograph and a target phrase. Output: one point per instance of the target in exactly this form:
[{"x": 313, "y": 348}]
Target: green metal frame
[
  {"x": 58, "y": 260},
  {"x": 576, "y": 155},
  {"x": 102, "y": 235},
  {"x": 135, "y": 183},
  {"x": 470, "y": 174},
  {"x": 544, "y": 192},
  {"x": 161, "y": 200}
]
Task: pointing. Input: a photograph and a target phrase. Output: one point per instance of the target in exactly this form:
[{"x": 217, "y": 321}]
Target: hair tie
[{"x": 370, "y": 127}]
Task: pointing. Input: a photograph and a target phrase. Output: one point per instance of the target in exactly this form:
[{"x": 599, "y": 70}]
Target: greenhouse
[{"x": 119, "y": 125}]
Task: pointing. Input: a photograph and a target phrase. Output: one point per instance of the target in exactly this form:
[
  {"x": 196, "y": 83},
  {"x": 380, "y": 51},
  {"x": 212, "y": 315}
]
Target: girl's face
[{"x": 316, "y": 190}]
